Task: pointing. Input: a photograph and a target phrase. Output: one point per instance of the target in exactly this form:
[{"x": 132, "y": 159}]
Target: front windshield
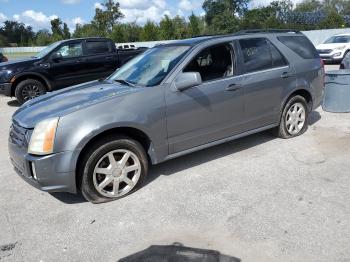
[
  {"x": 341, "y": 39},
  {"x": 151, "y": 67},
  {"x": 47, "y": 50}
]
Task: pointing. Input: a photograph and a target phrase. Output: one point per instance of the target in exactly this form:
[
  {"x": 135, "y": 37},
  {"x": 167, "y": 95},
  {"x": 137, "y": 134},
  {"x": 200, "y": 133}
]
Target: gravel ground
[{"x": 257, "y": 199}]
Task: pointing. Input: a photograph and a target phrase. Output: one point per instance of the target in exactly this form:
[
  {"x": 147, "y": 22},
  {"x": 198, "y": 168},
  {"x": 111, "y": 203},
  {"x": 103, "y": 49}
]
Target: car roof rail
[{"x": 267, "y": 31}]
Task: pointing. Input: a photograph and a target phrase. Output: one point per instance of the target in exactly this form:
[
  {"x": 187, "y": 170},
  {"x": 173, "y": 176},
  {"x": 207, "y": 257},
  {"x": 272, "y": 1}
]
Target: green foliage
[
  {"x": 149, "y": 31},
  {"x": 194, "y": 25},
  {"x": 105, "y": 18},
  {"x": 43, "y": 38},
  {"x": 221, "y": 17},
  {"x": 122, "y": 33},
  {"x": 87, "y": 30},
  {"x": 309, "y": 6},
  {"x": 16, "y": 33},
  {"x": 333, "y": 20}
]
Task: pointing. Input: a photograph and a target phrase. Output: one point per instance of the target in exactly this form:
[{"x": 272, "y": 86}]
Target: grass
[{"x": 12, "y": 56}]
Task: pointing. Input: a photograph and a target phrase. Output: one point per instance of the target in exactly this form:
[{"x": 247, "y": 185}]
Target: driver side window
[
  {"x": 214, "y": 62},
  {"x": 71, "y": 50}
]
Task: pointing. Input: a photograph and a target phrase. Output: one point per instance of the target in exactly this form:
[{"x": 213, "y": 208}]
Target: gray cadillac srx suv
[{"x": 100, "y": 137}]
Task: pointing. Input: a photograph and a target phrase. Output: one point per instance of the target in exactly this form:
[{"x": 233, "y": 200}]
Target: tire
[
  {"x": 289, "y": 118},
  {"x": 101, "y": 180},
  {"x": 29, "y": 89}
]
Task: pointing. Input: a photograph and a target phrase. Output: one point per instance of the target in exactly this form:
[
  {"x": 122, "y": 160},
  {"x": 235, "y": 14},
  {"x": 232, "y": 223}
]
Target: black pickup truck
[{"x": 61, "y": 64}]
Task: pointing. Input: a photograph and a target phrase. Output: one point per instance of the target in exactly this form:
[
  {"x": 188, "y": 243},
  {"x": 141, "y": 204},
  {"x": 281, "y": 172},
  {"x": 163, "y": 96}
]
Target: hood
[
  {"x": 68, "y": 100},
  {"x": 17, "y": 63},
  {"x": 331, "y": 46}
]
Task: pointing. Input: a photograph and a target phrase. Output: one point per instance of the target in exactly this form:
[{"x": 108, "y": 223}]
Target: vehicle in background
[
  {"x": 127, "y": 47},
  {"x": 173, "y": 99},
  {"x": 3, "y": 58},
  {"x": 64, "y": 63},
  {"x": 345, "y": 63},
  {"x": 334, "y": 48}
]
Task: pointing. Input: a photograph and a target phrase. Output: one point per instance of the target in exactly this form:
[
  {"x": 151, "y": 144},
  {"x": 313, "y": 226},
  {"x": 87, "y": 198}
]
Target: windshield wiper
[{"x": 125, "y": 82}]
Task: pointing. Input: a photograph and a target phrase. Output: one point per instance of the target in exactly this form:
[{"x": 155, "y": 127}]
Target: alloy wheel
[
  {"x": 117, "y": 173},
  {"x": 295, "y": 118}
]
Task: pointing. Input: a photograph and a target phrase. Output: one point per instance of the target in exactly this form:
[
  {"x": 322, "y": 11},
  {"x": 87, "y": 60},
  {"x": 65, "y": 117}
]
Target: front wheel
[
  {"x": 29, "y": 89},
  {"x": 294, "y": 118},
  {"x": 113, "y": 168}
]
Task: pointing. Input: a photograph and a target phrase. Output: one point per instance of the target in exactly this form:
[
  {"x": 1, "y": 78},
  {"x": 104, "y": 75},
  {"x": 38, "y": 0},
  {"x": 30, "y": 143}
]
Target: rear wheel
[
  {"x": 294, "y": 118},
  {"x": 29, "y": 89},
  {"x": 113, "y": 168}
]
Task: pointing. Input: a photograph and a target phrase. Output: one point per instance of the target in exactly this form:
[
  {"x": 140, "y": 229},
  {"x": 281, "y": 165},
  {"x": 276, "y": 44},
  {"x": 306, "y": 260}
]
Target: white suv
[{"x": 334, "y": 48}]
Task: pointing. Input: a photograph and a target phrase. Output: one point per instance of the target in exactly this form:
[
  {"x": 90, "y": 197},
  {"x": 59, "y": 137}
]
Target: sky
[{"x": 38, "y": 13}]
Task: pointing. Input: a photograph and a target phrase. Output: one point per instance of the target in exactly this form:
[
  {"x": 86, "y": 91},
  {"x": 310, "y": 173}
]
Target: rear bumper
[
  {"x": 46, "y": 173},
  {"x": 5, "y": 89}
]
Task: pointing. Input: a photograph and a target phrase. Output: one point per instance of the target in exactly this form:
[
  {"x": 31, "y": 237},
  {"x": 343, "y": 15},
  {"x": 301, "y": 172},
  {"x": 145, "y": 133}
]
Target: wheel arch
[
  {"x": 29, "y": 75},
  {"x": 302, "y": 92},
  {"x": 131, "y": 132}
]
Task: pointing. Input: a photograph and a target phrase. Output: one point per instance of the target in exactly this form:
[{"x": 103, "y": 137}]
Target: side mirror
[
  {"x": 187, "y": 80},
  {"x": 56, "y": 56}
]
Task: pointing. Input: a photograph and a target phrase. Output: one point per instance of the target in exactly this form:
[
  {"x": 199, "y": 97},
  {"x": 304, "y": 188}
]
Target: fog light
[{"x": 34, "y": 171}]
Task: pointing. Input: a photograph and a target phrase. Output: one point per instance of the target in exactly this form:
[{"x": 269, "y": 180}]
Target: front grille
[
  {"x": 17, "y": 134},
  {"x": 324, "y": 51}
]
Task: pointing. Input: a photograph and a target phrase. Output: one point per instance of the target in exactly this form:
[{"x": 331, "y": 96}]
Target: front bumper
[
  {"x": 50, "y": 173},
  {"x": 332, "y": 57},
  {"x": 5, "y": 89}
]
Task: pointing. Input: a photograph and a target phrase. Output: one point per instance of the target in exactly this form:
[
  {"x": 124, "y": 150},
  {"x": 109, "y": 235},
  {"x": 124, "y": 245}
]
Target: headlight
[
  {"x": 340, "y": 47},
  {"x": 43, "y": 137},
  {"x": 5, "y": 73}
]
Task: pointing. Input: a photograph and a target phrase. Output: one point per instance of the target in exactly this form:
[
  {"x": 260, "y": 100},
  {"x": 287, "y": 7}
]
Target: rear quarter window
[{"x": 300, "y": 45}]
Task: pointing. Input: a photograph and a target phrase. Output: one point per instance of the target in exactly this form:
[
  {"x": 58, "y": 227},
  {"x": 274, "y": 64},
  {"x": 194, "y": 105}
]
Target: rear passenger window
[
  {"x": 256, "y": 54},
  {"x": 97, "y": 47},
  {"x": 277, "y": 57},
  {"x": 300, "y": 45}
]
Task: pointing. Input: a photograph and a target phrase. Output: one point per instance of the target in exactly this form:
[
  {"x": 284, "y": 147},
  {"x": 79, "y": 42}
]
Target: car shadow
[
  {"x": 314, "y": 117},
  {"x": 178, "y": 253},
  {"x": 13, "y": 103},
  {"x": 206, "y": 155},
  {"x": 69, "y": 198}
]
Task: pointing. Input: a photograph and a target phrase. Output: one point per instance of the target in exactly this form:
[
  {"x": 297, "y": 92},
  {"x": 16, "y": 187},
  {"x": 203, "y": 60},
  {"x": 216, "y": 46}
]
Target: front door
[
  {"x": 210, "y": 111},
  {"x": 71, "y": 69}
]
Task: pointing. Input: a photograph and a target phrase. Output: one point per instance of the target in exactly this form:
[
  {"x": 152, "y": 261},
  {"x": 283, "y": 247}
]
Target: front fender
[{"x": 143, "y": 111}]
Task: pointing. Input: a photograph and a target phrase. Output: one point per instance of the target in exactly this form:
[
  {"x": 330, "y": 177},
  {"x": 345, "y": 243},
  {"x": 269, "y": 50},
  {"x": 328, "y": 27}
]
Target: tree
[
  {"x": 105, "y": 18},
  {"x": 87, "y": 30},
  {"x": 66, "y": 33},
  {"x": 333, "y": 20},
  {"x": 180, "y": 27},
  {"x": 56, "y": 28},
  {"x": 193, "y": 26},
  {"x": 149, "y": 31},
  {"x": 309, "y": 6},
  {"x": 43, "y": 38},
  {"x": 15, "y": 32},
  {"x": 166, "y": 28}
]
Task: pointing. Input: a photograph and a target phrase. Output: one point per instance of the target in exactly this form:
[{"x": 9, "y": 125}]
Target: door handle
[
  {"x": 233, "y": 87},
  {"x": 80, "y": 61},
  {"x": 286, "y": 75}
]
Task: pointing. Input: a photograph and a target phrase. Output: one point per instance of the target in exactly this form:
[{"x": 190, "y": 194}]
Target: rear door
[
  {"x": 266, "y": 74},
  {"x": 102, "y": 58}
]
